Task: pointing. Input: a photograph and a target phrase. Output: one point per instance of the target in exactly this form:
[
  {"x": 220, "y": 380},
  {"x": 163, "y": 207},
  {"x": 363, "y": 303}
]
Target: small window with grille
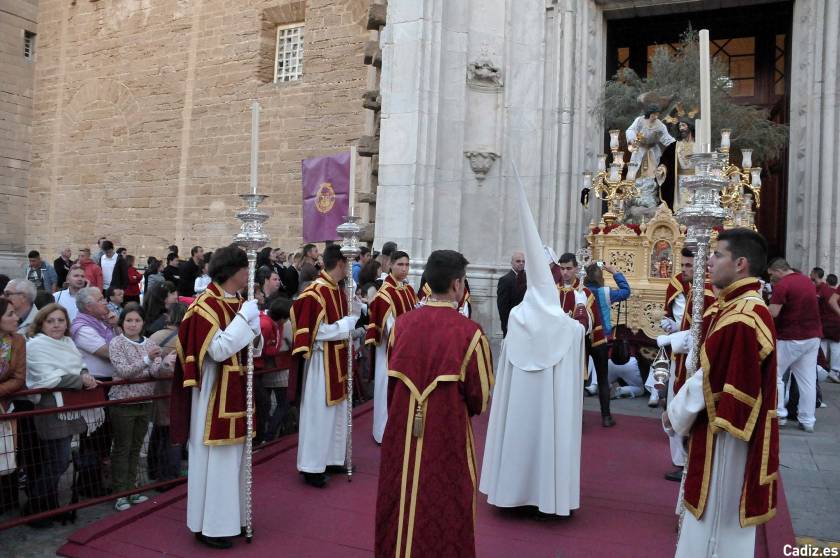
[
  {"x": 288, "y": 60},
  {"x": 29, "y": 45}
]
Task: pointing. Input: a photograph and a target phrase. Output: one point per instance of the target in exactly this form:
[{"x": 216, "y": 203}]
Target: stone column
[
  {"x": 813, "y": 228},
  {"x": 467, "y": 87}
]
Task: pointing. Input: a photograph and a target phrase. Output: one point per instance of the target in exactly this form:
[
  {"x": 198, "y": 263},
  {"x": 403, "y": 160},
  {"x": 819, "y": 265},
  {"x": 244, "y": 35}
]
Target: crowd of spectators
[{"x": 90, "y": 322}]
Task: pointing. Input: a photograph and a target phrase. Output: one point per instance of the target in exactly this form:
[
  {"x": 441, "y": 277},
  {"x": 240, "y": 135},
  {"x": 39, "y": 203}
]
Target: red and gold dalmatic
[
  {"x": 738, "y": 358},
  {"x": 426, "y": 291},
  {"x": 441, "y": 373},
  {"x": 568, "y": 301},
  {"x": 323, "y": 301},
  {"x": 392, "y": 299},
  {"x": 211, "y": 312},
  {"x": 709, "y": 310},
  {"x": 678, "y": 285}
]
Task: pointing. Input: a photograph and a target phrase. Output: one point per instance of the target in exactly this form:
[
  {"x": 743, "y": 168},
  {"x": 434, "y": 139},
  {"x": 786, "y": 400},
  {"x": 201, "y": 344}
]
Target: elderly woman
[
  {"x": 21, "y": 293},
  {"x": 92, "y": 331},
  {"x": 12, "y": 379},
  {"x": 54, "y": 362},
  {"x": 134, "y": 357}
]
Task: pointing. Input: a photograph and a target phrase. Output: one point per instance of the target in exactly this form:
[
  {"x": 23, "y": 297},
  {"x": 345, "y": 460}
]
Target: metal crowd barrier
[{"x": 47, "y": 472}]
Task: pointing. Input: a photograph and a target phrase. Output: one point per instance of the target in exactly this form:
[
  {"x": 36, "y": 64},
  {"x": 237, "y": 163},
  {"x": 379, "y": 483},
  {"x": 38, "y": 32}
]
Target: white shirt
[
  {"x": 87, "y": 340},
  {"x": 68, "y": 300},
  {"x": 201, "y": 283},
  {"x": 107, "y": 265}
]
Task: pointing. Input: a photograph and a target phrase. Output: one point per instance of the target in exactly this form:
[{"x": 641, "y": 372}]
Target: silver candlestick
[
  {"x": 349, "y": 233},
  {"x": 701, "y": 215},
  {"x": 251, "y": 238}
]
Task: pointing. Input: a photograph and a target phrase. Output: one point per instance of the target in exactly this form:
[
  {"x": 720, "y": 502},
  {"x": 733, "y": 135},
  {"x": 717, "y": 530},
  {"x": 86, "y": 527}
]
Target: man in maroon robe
[
  {"x": 440, "y": 374},
  {"x": 728, "y": 409}
]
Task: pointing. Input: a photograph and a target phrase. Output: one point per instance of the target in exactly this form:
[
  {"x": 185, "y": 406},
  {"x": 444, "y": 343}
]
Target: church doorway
[{"x": 754, "y": 41}]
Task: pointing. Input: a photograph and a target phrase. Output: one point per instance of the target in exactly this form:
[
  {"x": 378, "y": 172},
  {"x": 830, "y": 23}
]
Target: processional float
[
  {"x": 720, "y": 195},
  {"x": 647, "y": 251}
]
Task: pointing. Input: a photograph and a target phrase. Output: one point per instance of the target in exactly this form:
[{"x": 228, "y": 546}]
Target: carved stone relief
[{"x": 481, "y": 162}]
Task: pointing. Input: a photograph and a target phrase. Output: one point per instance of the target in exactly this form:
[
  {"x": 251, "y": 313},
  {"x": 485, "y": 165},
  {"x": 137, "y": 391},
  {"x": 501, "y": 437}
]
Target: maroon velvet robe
[
  {"x": 210, "y": 312},
  {"x": 440, "y": 374},
  {"x": 391, "y": 299},
  {"x": 322, "y": 301},
  {"x": 738, "y": 357},
  {"x": 568, "y": 302}
]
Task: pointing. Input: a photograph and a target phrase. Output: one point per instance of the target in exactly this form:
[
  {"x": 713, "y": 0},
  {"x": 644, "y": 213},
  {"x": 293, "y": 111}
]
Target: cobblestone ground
[{"x": 810, "y": 471}]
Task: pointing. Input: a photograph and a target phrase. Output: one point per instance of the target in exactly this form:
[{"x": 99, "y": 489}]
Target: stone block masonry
[
  {"x": 17, "y": 17},
  {"x": 141, "y": 120}
]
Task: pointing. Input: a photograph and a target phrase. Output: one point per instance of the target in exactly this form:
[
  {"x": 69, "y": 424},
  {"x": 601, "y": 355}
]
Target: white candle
[
  {"x": 352, "y": 186},
  {"x": 705, "y": 90},
  {"x": 698, "y": 136},
  {"x": 255, "y": 144}
]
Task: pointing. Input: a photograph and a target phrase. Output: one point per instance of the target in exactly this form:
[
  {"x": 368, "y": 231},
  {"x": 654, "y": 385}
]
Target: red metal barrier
[{"x": 56, "y": 474}]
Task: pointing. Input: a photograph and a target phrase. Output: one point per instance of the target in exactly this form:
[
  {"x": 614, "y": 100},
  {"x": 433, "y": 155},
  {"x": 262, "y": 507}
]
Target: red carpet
[{"x": 627, "y": 508}]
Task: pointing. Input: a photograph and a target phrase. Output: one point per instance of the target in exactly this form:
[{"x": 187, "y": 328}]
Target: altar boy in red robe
[
  {"x": 728, "y": 409},
  {"x": 440, "y": 374}
]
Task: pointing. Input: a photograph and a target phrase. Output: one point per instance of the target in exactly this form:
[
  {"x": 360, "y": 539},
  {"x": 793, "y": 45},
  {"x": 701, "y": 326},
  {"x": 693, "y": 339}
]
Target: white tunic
[
  {"x": 322, "y": 439},
  {"x": 718, "y": 533},
  {"x": 532, "y": 454},
  {"x": 380, "y": 383},
  {"x": 216, "y": 480}
]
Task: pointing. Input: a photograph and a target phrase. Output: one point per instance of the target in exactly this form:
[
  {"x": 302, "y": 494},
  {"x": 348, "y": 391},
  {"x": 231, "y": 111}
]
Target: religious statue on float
[
  {"x": 682, "y": 167},
  {"x": 647, "y": 139}
]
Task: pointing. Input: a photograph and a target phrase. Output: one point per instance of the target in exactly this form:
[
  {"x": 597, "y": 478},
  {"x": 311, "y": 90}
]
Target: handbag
[{"x": 620, "y": 345}]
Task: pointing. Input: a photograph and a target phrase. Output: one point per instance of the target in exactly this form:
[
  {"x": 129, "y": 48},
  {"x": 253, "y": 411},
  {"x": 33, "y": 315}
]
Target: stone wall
[
  {"x": 469, "y": 88},
  {"x": 142, "y": 117},
  {"x": 17, "y": 76},
  {"x": 813, "y": 196}
]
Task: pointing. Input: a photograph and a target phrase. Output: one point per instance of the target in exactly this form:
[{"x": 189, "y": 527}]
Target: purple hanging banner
[{"x": 326, "y": 188}]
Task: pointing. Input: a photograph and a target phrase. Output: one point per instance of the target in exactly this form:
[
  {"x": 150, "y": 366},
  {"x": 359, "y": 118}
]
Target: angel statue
[{"x": 647, "y": 137}]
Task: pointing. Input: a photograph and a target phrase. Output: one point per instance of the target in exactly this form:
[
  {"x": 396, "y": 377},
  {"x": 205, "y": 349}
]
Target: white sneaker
[
  {"x": 823, "y": 405},
  {"x": 122, "y": 504},
  {"x": 782, "y": 422},
  {"x": 833, "y": 376},
  {"x": 806, "y": 428},
  {"x": 137, "y": 499},
  {"x": 653, "y": 401},
  {"x": 591, "y": 390}
]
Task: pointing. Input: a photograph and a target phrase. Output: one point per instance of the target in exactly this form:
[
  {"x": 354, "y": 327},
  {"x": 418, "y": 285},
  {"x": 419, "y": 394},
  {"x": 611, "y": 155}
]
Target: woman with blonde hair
[{"x": 53, "y": 362}]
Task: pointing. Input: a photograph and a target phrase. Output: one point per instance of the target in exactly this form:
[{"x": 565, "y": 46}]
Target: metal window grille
[
  {"x": 29, "y": 45},
  {"x": 288, "y": 61}
]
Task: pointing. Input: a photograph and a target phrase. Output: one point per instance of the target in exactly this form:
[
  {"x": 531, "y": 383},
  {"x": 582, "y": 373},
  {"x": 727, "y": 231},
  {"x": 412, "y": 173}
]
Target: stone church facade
[{"x": 468, "y": 88}]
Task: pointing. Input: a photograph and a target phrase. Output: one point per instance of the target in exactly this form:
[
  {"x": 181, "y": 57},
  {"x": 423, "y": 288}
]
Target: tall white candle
[
  {"x": 705, "y": 90},
  {"x": 698, "y": 135},
  {"x": 255, "y": 144},
  {"x": 352, "y": 186}
]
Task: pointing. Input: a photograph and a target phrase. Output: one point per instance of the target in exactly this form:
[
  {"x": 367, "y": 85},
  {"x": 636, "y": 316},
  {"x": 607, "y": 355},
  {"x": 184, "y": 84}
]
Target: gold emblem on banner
[{"x": 325, "y": 198}]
